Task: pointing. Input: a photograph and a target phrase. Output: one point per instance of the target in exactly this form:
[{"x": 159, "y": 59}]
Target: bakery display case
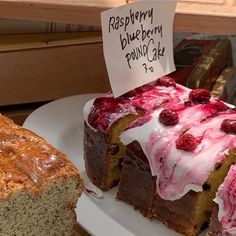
[{"x": 46, "y": 61}]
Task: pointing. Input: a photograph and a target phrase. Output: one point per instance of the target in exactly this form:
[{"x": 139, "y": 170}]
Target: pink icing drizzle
[
  {"x": 227, "y": 204},
  {"x": 179, "y": 171}
]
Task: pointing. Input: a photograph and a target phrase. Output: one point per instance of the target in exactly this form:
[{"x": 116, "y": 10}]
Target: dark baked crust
[
  {"x": 178, "y": 214},
  {"x": 215, "y": 227},
  {"x": 103, "y": 153},
  {"x": 137, "y": 185},
  {"x": 95, "y": 152}
]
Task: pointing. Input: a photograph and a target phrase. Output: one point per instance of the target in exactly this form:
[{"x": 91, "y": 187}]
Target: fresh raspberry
[
  {"x": 186, "y": 142},
  {"x": 229, "y": 126},
  {"x": 220, "y": 106},
  {"x": 200, "y": 96},
  {"x": 166, "y": 81},
  {"x": 168, "y": 117}
]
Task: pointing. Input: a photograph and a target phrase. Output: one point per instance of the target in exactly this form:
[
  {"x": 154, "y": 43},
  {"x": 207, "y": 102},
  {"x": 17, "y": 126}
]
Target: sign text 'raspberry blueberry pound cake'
[
  {"x": 39, "y": 186},
  {"x": 170, "y": 147}
]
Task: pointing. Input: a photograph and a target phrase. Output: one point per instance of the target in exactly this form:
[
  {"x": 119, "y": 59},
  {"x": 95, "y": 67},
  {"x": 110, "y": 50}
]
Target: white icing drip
[
  {"x": 86, "y": 110},
  {"x": 179, "y": 171},
  {"x": 219, "y": 201}
]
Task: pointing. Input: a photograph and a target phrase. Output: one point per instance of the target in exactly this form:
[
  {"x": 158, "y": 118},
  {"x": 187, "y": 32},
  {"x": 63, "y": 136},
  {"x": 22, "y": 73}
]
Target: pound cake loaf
[
  {"x": 176, "y": 159},
  {"x": 172, "y": 155},
  {"x": 39, "y": 186},
  {"x": 223, "y": 220},
  {"x": 106, "y": 118}
]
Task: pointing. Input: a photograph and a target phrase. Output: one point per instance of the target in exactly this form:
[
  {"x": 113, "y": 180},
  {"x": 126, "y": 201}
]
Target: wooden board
[
  {"x": 47, "y": 40},
  {"x": 65, "y": 11},
  {"x": 212, "y": 16},
  {"x": 209, "y": 16},
  {"x": 35, "y": 74},
  {"x": 221, "y": 8}
]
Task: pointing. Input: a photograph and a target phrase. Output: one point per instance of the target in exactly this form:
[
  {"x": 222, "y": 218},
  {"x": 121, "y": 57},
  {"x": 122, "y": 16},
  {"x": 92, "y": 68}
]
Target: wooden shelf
[
  {"x": 212, "y": 16},
  {"x": 62, "y": 11},
  {"x": 43, "y": 67}
]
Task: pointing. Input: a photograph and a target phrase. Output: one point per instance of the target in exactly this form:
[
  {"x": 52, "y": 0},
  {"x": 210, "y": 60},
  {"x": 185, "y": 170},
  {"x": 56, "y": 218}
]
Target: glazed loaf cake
[
  {"x": 39, "y": 186},
  {"x": 106, "y": 118},
  {"x": 186, "y": 146},
  {"x": 172, "y": 155}
]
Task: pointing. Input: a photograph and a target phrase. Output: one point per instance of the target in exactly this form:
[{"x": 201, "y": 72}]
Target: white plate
[{"x": 61, "y": 123}]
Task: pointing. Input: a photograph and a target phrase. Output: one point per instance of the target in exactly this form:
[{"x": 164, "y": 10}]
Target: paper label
[{"x": 138, "y": 43}]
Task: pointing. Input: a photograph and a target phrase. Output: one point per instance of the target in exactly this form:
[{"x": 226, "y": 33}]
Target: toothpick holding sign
[{"x": 138, "y": 43}]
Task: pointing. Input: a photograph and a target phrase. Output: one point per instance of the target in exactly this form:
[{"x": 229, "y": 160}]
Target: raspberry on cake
[
  {"x": 186, "y": 142},
  {"x": 168, "y": 117},
  {"x": 229, "y": 126},
  {"x": 166, "y": 81},
  {"x": 200, "y": 96}
]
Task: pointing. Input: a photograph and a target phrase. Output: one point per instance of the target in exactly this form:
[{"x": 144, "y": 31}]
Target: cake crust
[
  {"x": 39, "y": 186},
  {"x": 95, "y": 149},
  {"x": 215, "y": 227},
  {"x": 137, "y": 185},
  {"x": 28, "y": 161}
]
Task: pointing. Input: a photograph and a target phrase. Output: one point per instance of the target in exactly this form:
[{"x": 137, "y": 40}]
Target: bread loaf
[{"x": 39, "y": 186}]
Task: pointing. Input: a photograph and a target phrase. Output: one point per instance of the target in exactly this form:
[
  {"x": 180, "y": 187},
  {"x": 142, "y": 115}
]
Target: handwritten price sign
[{"x": 138, "y": 43}]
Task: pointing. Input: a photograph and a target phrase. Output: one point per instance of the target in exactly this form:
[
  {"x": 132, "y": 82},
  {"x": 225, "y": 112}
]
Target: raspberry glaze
[
  {"x": 106, "y": 110},
  {"x": 177, "y": 171},
  {"x": 180, "y": 171}
]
